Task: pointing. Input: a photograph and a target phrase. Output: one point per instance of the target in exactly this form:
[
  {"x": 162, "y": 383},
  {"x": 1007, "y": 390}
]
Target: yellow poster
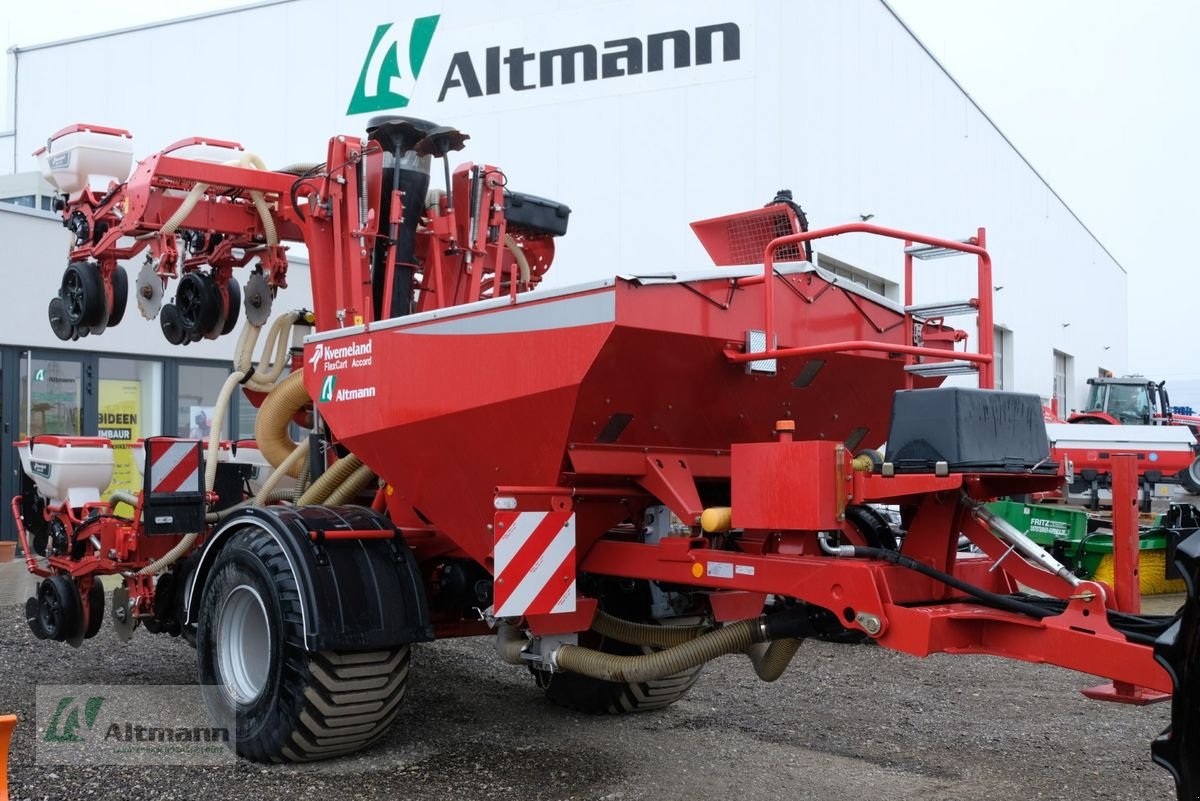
[{"x": 120, "y": 408}]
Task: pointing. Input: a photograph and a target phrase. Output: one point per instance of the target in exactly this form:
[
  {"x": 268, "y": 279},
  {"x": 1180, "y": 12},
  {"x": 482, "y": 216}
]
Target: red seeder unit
[{"x": 540, "y": 462}]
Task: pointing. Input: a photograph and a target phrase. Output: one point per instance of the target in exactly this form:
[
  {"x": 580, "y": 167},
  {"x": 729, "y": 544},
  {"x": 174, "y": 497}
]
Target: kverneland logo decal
[
  {"x": 393, "y": 63},
  {"x": 355, "y": 354},
  {"x": 390, "y": 71}
]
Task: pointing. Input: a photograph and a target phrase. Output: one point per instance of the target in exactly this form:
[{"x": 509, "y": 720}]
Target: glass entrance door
[{"x": 52, "y": 396}]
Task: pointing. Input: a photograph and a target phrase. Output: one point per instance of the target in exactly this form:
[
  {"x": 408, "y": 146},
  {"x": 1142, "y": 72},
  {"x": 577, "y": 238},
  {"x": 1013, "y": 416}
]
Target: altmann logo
[
  {"x": 616, "y": 58},
  {"x": 354, "y": 394},
  {"x": 330, "y": 392},
  {"x": 327, "y": 387},
  {"x": 72, "y": 715},
  {"x": 390, "y": 70}
]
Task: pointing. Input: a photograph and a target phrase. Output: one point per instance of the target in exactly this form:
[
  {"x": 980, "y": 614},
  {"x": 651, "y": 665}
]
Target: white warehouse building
[{"x": 642, "y": 117}]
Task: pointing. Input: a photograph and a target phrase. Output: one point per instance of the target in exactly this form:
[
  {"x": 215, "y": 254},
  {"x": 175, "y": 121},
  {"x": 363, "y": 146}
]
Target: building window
[
  {"x": 880, "y": 286},
  {"x": 196, "y": 406},
  {"x": 26, "y": 201},
  {"x": 1064, "y": 367},
  {"x": 1002, "y": 353},
  {"x": 131, "y": 401}
]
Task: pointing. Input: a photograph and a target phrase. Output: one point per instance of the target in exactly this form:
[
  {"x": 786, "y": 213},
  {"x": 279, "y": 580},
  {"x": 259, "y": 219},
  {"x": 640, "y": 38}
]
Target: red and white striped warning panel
[
  {"x": 173, "y": 465},
  {"x": 535, "y": 563}
]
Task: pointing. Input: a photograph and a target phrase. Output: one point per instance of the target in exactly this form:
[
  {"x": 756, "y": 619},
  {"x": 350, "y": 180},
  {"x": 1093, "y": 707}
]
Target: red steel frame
[
  {"x": 914, "y": 614},
  {"x": 984, "y": 358}
]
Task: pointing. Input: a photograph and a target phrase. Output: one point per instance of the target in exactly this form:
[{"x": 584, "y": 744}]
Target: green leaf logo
[
  {"x": 70, "y": 716},
  {"x": 390, "y": 70},
  {"x": 327, "y": 387}
]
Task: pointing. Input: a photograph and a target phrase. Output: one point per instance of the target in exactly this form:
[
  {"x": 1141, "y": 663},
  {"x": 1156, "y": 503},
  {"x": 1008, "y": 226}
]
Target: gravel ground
[{"x": 845, "y": 722}]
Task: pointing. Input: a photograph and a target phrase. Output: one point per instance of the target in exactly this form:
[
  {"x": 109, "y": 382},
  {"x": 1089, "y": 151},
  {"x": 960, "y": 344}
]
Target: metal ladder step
[
  {"x": 945, "y": 308},
  {"x": 925, "y": 252},
  {"x": 941, "y": 368}
]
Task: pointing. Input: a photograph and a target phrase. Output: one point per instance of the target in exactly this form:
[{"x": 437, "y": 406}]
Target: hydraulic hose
[
  {"x": 643, "y": 633},
  {"x": 271, "y": 423},
  {"x": 330, "y": 480},
  {"x": 996, "y": 600},
  {"x": 729, "y": 639}
]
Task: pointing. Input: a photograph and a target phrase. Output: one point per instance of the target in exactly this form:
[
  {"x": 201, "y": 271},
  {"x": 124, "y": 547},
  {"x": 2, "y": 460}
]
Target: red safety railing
[{"x": 984, "y": 358}]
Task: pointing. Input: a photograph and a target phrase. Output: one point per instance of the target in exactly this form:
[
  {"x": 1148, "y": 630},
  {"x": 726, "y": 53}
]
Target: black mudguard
[
  {"x": 1178, "y": 650},
  {"x": 357, "y": 594}
]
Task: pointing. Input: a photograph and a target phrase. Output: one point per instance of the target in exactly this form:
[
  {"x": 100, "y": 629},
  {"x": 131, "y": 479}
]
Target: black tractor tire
[
  {"x": 281, "y": 702},
  {"x": 234, "y": 309},
  {"x": 199, "y": 304},
  {"x": 1190, "y": 478},
  {"x": 597, "y": 697},
  {"x": 120, "y": 284},
  {"x": 82, "y": 291}
]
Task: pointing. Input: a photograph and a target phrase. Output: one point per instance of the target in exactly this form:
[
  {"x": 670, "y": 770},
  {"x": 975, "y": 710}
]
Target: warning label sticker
[{"x": 720, "y": 569}]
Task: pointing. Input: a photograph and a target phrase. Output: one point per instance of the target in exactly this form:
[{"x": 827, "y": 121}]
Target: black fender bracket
[
  {"x": 1178, "y": 650},
  {"x": 356, "y": 593}
]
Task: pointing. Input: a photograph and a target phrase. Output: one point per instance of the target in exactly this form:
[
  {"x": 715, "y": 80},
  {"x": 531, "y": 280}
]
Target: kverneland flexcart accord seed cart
[{"x": 618, "y": 482}]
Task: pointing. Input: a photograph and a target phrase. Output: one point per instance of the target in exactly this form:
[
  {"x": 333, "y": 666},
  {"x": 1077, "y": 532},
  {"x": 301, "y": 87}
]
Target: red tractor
[
  {"x": 1135, "y": 401},
  {"x": 617, "y": 481}
]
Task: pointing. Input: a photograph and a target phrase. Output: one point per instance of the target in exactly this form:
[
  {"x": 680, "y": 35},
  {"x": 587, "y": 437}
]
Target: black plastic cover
[
  {"x": 357, "y": 594},
  {"x": 972, "y": 430},
  {"x": 535, "y": 214}
]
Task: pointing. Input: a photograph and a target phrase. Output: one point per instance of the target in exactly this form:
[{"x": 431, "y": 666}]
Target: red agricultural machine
[
  {"x": 1133, "y": 401},
  {"x": 618, "y": 481}
]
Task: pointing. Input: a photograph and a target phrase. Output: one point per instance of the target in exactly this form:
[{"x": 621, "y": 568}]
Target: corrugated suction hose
[
  {"x": 274, "y": 416},
  {"x": 348, "y": 490},
  {"x": 647, "y": 667},
  {"x": 770, "y": 661},
  {"x": 768, "y": 641},
  {"x": 644, "y": 633},
  {"x": 330, "y": 480}
]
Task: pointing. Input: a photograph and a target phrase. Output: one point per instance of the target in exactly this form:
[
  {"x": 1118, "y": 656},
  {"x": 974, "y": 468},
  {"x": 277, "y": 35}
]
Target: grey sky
[{"x": 1100, "y": 96}]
